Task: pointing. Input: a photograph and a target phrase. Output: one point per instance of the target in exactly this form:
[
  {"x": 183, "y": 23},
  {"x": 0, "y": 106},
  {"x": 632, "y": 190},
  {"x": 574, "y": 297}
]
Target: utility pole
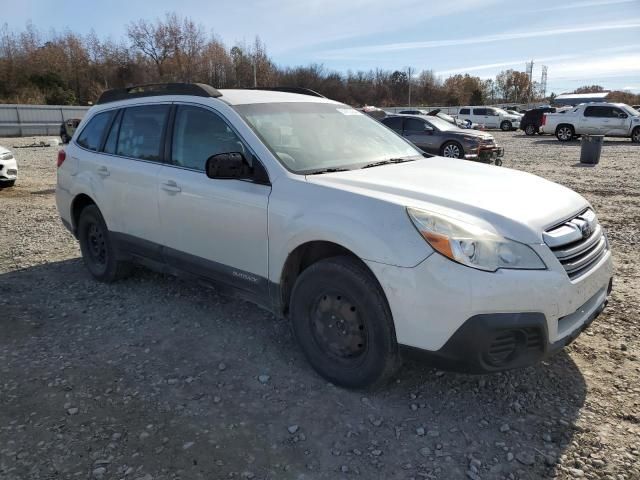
[
  {"x": 409, "y": 77},
  {"x": 255, "y": 75}
]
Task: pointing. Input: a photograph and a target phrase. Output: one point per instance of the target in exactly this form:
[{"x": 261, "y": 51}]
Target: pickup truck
[{"x": 598, "y": 118}]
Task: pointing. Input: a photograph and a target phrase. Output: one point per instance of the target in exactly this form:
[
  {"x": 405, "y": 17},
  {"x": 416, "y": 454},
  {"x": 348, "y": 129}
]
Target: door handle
[
  {"x": 171, "y": 186},
  {"x": 103, "y": 171}
]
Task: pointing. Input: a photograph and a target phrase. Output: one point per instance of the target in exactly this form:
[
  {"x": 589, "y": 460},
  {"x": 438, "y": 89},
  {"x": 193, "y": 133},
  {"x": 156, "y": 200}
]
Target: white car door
[
  {"x": 213, "y": 228},
  {"x": 131, "y": 162}
]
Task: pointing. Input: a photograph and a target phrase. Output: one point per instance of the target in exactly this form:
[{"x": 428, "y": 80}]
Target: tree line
[{"x": 71, "y": 69}]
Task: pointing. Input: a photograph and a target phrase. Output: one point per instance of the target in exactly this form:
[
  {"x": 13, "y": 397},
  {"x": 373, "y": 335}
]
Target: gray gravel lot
[{"x": 156, "y": 378}]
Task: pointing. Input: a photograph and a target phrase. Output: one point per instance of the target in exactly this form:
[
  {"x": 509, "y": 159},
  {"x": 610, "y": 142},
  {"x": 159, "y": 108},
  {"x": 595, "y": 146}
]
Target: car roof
[{"x": 241, "y": 97}]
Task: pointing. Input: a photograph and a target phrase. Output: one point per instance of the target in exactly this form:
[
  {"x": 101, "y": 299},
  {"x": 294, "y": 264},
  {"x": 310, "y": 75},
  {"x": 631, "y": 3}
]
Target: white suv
[
  {"x": 490, "y": 117},
  {"x": 327, "y": 217}
]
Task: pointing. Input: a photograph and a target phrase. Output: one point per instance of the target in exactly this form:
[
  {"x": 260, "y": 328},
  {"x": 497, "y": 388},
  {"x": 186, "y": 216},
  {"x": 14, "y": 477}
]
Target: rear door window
[
  {"x": 93, "y": 134},
  {"x": 601, "y": 112},
  {"x": 142, "y": 132},
  {"x": 464, "y": 111},
  {"x": 394, "y": 123},
  {"x": 479, "y": 111},
  {"x": 413, "y": 125}
]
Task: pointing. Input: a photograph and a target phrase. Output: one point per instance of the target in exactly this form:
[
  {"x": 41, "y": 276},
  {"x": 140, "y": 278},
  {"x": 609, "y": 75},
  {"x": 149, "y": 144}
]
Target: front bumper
[
  {"x": 8, "y": 170},
  {"x": 488, "y": 343},
  {"x": 487, "y": 154},
  {"x": 435, "y": 304}
]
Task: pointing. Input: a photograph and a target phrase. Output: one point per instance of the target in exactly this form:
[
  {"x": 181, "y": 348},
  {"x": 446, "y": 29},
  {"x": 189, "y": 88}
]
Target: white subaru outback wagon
[{"x": 327, "y": 217}]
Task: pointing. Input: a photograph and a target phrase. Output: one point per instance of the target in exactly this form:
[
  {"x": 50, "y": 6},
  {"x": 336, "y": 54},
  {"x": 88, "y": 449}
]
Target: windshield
[
  {"x": 500, "y": 111},
  {"x": 441, "y": 124},
  {"x": 632, "y": 111},
  {"x": 311, "y": 137}
]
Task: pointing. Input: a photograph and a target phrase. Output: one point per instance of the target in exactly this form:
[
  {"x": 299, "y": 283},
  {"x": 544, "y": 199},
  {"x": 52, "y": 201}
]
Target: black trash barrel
[{"x": 590, "y": 149}]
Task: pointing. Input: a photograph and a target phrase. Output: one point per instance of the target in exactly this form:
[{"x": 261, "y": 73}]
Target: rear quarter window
[{"x": 92, "y": 135}]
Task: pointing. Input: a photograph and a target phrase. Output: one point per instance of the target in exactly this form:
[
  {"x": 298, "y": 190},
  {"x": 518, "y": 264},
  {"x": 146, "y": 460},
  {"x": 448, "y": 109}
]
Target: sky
[{"x": 582, "y": 42}]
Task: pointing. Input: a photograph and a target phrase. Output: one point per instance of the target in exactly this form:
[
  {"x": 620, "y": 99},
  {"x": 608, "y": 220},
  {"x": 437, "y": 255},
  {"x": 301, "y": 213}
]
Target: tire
[
  {"x": 635, "y": 135},
  {"x": 530, "y": 130},
  {"x": 506, "y": 126},
  {"x": 565, "y": 133},
  {"x": 8, "y": 184},
  {"x": 452, "y": 150},
  {"x": 343, "y": 324},
  {"x": 65, "y": 139},
  {"x": 498, "y": 162},
  {"x": 97, "y": 248}
]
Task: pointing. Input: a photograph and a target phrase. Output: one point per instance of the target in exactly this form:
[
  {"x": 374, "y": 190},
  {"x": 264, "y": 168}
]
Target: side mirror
[
  {"x": 428, "y": 128},
  {"x": 231, "y": 165},
  {"x": 623, "y": 115}
]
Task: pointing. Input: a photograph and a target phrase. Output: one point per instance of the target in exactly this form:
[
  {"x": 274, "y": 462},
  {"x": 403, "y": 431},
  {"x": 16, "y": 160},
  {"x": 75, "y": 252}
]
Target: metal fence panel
[{"x": 29, "y": 120}]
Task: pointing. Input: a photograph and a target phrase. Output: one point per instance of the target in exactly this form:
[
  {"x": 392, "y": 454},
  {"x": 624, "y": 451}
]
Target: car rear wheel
[
  {"x": 506, "y": 126},
  {"x": 342, "y": 321},
  {"x": 8, "y": 184},
  {"x": 635, "y": 135},
  {"x": 97, "y": 248},
  {"x": 530, "y": 130},
  {"x": 452, "y": 150},
  {"x": 565, "y": 133}
]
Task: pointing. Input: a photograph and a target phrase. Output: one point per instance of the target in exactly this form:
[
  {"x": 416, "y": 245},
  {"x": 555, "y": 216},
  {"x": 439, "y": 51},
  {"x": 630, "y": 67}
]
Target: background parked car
[
  {"x": 490, "y": 117},
  {"x": 8, "y": 168},
  {"x": 531, "y": 121},
  {"x": 453, "y": 120},
  {"x": 597, "y": 118},
  {"x": 414, "y": 112},
  {"x": 439, "y": 137},
  {"x": 67, "y": 128}
]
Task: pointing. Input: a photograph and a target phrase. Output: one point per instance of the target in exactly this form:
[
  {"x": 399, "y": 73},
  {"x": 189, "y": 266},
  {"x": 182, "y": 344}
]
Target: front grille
[{"x": 577, "y": 243}]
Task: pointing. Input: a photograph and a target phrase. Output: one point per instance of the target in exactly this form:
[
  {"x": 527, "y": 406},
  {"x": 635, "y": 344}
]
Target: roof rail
[
  {"x": 300, "y": 90},
  {"x": 155, "y": 89}
]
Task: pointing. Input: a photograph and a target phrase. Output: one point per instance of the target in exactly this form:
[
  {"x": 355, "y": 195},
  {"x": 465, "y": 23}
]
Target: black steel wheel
[
  {"x": 343, "y": 324},
  {"x": 97, "y": 249},
  {"x": 530, "y": 130}
]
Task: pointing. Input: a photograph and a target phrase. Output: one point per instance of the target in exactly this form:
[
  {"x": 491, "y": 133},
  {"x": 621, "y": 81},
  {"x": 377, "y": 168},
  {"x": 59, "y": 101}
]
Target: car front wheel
[
  {"x": 635, "y": 135},
  {"x": 98, "y": 251},
  {"x": 452, "y": 150},
  {"x": 506, "y": 126},
  {"x": 342, "y": 321},
  {"x": 530, "y": 130}
]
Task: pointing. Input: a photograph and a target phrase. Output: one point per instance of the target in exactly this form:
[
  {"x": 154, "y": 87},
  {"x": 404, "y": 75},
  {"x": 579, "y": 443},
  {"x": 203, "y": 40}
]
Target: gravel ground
[{"x": 156, "y": 378}]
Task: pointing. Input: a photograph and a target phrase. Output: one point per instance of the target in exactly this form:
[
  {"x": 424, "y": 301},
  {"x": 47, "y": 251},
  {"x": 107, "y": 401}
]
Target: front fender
[{"x": 374, "y": 230}]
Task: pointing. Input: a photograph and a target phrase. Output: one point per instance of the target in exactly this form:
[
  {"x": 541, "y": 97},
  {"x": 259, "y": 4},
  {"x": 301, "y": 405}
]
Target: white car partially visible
[{"x": 8, "y": 168}]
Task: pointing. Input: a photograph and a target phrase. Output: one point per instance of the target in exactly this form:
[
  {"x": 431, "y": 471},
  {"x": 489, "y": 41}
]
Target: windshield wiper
[
  {"x": 388, "y": 161},
  {"x": 327, "y": 170}
]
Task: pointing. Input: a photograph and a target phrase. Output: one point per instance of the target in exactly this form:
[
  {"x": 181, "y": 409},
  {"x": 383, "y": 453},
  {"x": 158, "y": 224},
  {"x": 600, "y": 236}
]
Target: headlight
[
  {"x": 473, "y": 246},
  {"x": 471, "y": 139}
]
